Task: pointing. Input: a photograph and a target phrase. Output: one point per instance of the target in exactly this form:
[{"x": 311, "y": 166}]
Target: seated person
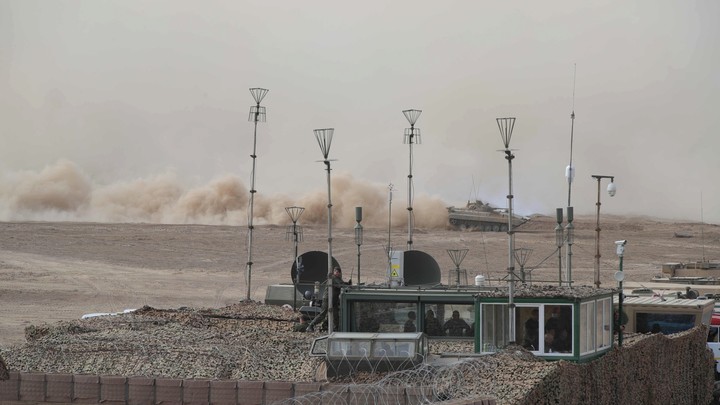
[
  {"x": 456, "y": 326},
  {"x": 410, "y": 323},
  {"x": 432, "y": 325}
]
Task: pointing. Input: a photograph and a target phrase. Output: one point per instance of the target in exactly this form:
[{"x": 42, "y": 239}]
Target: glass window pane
[
  {"x": 381, "y": 316},
  {"x": 558, "y": 329},
  {"x": 494, "y": 328},
  {"x": 455, "y": 320},
  {"x": 605, "y": 307},
  {"x": 665, "y": 323},
  {"x": 584, "y": 330},
  {"x": 528, "y": 329}
]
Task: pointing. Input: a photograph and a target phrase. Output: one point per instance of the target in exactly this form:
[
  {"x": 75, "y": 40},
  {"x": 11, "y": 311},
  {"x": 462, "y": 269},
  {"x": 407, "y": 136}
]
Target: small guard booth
[{"x": 574, "y": 324}]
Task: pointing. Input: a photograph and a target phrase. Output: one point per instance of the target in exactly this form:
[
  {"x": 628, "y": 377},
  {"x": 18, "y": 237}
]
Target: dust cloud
[{"x": 64, "y": 192}]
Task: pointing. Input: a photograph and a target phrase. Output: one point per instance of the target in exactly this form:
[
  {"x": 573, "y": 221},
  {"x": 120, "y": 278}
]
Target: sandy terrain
[{"x": 59, "y": 271}]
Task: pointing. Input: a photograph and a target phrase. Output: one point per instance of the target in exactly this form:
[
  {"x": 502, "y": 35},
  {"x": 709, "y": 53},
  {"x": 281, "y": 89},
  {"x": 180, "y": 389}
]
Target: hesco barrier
[
  {"x": 37, "y": 388},
  {"x": 648, "y": 369}
]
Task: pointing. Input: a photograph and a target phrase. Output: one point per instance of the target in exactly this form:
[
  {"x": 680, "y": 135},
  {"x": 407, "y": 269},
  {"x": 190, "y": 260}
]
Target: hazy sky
[{"x": 128, "y": 92}]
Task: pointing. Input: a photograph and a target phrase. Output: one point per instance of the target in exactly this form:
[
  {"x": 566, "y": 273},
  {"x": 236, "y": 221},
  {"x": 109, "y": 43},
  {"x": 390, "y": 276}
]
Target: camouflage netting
[
  {"x": 250, "y": 341},
  {"x": 247, "y": 341},
  {"x": 648, "y": 369}
]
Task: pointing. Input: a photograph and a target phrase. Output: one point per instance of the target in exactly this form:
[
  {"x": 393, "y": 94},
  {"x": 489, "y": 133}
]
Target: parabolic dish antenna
[
  {"x": 313, "y": 267},
  {"x": 420, "y": 269}
]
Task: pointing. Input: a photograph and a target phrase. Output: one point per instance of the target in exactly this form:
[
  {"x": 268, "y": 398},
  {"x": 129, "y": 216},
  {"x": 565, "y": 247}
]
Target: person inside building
[
  {"x": 532, "y": 331},
  {"x": 558, "y": 326},
  {"x": 335, "y": 278},
  {"x": 410, "y": 323},
  {"x": 432, "y": 325},
  {"x": 456, "y": 326}
]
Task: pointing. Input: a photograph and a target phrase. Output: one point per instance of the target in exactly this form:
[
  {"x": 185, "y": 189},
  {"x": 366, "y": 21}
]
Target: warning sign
[{"x": 394, "y": 273}]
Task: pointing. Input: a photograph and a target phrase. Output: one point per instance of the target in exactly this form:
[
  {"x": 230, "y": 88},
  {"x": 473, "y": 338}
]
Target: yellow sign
[{"x": 394, "y": 273}]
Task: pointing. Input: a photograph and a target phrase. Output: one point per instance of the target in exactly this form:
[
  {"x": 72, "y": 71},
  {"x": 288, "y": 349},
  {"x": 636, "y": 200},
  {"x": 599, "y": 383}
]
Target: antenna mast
[
  {"x": 257, "y": 114},
  {"x": 702, "y": 227},
  {"x": 570, "y": 170},
  {"x": 412, "y": 136}
]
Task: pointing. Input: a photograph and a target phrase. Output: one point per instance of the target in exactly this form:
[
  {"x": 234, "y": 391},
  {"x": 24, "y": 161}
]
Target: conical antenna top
[
  {"x": 294, "y": 212},
  {"x": 506, "y": 126},
  {"x": 324, "y": 138},
  {"x": 521, "y": 255},
  {"x": 412, "y": 115},
  {"x": 457, "y": 256},
  {"x": 258, "y": 94}
]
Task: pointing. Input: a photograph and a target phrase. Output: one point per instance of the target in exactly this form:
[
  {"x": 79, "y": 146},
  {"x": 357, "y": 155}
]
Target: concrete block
[
  {"x": 86, "y": 389},
  {"x": 59, "y": 388},
  {"x": 335, "y": 394},
  {"x": 113, "y": 390},
  {"x": 223, "y": 392},
  {"x": 392, "y": 395},
  {"x": 10, "y": 388},
  {"x": 32, "y": 387},
  {"x": 196, "y": 392},
  {"x": 307, "y": 388},
  {"x": 168, "y": 391},
  {"x": 250, "y": 392},
  {"x": 141, "y": 390},
  {"x": 277, "y": 391},
  {"x": 419, "y": 395},
  {"x": 363, "y": 394}
]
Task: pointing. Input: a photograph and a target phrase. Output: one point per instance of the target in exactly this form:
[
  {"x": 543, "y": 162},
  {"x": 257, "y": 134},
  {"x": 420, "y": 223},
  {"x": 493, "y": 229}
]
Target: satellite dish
[
  {"x": 314, "y": 267},
  {"x": 619, "y": 276},
  {"x": 419, "y": 268}
]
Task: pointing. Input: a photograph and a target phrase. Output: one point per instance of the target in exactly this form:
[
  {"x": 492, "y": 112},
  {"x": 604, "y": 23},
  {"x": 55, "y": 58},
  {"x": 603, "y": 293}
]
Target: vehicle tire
[{"x": 496, "y": 228}]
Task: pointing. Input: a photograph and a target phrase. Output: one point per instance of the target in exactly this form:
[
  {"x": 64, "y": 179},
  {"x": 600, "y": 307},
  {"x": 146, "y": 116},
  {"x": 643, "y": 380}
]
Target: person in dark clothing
[
  {"x": 302, "y": 324},
  {"x": 455, "y": 326},
  {"x": 337, "y": 283},
  {"x": 532, "y": 331},
  {"x": 410, "y": 323},
  {"x": 432, "y": 325},
  {"x": 557, "y": 325}
]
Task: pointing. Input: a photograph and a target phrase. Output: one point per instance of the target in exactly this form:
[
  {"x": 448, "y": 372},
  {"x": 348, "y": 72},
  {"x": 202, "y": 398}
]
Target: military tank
[{"x": 479, "y": 216}]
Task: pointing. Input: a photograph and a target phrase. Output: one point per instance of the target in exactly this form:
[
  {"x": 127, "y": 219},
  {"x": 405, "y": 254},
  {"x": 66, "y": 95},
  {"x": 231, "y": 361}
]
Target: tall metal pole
[
  {"x": 559, "y": 241},
  {"x": 358, "y": 237},
  {"x": 257, "y": 114},
  {"x": 324, "y": 139},
  {"x": 506, "y": 126},
  {"x": 611, "y": 191},
  {"x": 294, "y": 213},
  {"x": 620, "y": 304},
  {"x": 570, "y": 169},
  {"x": 620, "y": 276},
  {"x": 570, "y": 174},
  {"x": 569, "y": 239},
  {"x": 412, "y": 136},
  {"x": 389, "y": 244}
]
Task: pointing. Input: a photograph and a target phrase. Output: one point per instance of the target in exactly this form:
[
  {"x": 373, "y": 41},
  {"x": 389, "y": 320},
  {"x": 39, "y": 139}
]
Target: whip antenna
[{"x": 570, "y": 170}]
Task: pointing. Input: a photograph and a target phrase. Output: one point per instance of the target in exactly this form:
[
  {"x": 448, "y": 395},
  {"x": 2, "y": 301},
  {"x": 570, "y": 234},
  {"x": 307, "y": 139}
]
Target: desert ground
[{"x": 52, "y": 271}]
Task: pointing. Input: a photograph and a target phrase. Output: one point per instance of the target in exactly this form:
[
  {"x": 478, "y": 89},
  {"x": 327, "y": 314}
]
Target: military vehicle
[{"x": 482, "y": 217}]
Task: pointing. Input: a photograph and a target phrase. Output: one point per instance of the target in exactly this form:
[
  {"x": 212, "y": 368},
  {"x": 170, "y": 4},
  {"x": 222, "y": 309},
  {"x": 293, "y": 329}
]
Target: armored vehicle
[{"x": 482, "y": 217}]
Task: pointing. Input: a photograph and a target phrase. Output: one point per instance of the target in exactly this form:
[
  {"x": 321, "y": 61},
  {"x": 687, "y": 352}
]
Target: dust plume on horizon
[{"x": 64, "y": 192}]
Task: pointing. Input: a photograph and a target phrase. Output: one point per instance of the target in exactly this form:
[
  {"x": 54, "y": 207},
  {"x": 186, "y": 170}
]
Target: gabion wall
[{"x": 648, "y": 369}]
